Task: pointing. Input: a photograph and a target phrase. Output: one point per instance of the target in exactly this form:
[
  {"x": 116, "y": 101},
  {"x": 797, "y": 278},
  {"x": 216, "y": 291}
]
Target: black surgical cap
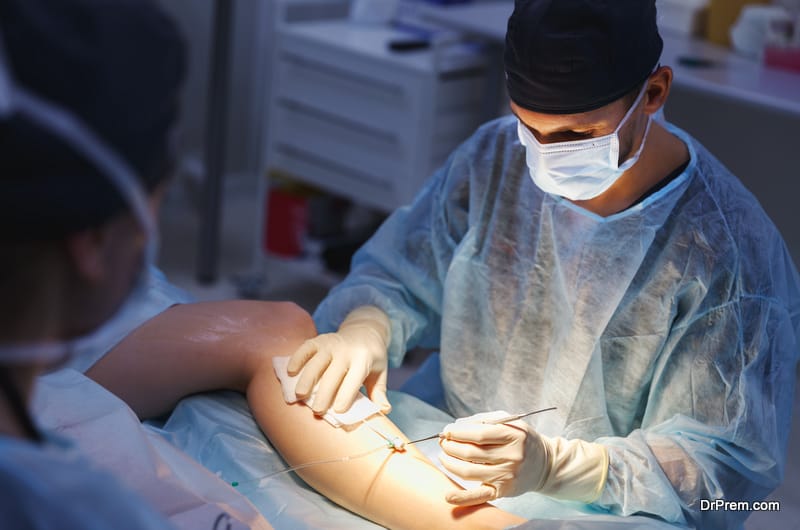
[
  {"x": 117, "y": 65},
  {"x": 570, "y": 56}
]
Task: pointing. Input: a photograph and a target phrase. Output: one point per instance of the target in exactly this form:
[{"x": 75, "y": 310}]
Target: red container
[
  {"x": 286, "y": 223},
  {"x": 787, "y": 58}
]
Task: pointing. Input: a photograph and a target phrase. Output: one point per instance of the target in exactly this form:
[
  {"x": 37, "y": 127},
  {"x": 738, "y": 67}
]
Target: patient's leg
[{"x": 395, "y": 489}]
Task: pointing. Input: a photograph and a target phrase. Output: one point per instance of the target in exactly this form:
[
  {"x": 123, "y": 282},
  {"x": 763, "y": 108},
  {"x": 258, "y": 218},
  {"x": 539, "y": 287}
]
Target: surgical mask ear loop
[
  {"x": 6, "y": 104},
  {"x": 632, "y": 158}
]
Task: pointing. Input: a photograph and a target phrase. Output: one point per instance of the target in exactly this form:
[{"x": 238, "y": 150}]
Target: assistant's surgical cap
[
  {"x": 570, "y": 56},
  {"x": 115, "y": 65}
]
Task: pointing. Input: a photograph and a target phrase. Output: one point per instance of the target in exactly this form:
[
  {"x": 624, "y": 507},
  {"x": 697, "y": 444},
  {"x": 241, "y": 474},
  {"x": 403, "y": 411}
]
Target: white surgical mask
[
  {"x": 65, "y": 125},
  {"x": 582, "y": 169}
]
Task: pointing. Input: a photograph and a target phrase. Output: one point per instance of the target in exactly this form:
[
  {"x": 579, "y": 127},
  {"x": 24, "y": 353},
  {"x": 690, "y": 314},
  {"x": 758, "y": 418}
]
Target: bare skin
[
  {"x": 57, "y": 290},
  {"x": 663, "y": 152},
  {"x": 221, "y": 345},
  {"x": 230, "y": 345}
]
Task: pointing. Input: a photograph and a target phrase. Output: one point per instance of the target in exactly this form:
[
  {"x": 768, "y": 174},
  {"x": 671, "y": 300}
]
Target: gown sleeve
[
  {"x": 402, "y": 268},
  {"x": 718, "y": 411}
]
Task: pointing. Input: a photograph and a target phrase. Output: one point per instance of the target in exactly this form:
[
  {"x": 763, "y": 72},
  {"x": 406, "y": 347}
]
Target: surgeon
[{"x": 582, "y": 254}]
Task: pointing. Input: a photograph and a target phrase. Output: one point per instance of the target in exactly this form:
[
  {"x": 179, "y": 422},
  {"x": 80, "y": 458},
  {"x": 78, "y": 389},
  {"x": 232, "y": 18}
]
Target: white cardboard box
[{"x": 683, "y": 17}]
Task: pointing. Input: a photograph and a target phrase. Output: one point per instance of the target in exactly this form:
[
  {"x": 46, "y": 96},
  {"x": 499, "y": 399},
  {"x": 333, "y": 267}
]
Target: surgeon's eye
[
  {"x": 577, "y": 135},
  {"x": 561, "y": 136},
  {"x": 565, "y": 136}
]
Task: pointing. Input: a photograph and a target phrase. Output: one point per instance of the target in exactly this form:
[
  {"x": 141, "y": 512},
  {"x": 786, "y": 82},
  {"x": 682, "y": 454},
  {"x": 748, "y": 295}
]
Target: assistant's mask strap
[{"x": 6, "y": 104}]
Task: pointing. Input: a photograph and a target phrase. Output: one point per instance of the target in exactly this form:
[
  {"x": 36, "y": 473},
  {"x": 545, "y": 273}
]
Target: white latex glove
[
  {"x": 512, "y": 458},
  {"x": 341, "y": 362}
]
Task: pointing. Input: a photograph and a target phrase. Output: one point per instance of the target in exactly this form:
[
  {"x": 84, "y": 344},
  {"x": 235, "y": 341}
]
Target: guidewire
[
  {"x": 309, "y": 464},
  {"x": 392, "y": 444}
]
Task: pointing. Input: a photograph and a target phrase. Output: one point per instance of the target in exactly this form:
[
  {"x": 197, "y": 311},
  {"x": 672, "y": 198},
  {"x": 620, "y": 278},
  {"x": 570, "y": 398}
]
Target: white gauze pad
[{"x": 362, "y": 408}]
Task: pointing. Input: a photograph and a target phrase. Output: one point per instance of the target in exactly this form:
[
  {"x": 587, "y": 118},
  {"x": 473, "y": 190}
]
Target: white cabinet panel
[{"x": 353, "y": 117}]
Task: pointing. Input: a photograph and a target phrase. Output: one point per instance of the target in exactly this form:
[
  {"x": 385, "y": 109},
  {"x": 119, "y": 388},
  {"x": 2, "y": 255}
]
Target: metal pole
[{"x": 216, "y": 129}]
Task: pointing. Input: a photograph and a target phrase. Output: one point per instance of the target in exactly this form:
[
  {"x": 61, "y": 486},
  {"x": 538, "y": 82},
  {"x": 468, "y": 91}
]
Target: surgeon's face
[{"x": 553, "y": 128}]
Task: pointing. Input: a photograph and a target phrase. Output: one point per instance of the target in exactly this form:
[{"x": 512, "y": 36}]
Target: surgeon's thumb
[
  {"x": 301, "y": 355},
  {"x": 376, "y": 390},
  {"x": 479, "y": 495}
]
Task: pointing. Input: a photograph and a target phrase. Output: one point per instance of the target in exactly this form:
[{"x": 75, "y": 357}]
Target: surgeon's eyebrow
[{"x": 565, "y": 132}]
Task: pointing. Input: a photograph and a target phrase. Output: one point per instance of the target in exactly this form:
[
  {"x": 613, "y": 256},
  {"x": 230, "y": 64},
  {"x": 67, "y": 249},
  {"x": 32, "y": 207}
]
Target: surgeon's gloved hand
[
  {"x": 342, "y": 361},
  {"x": 512, "y": 458}
]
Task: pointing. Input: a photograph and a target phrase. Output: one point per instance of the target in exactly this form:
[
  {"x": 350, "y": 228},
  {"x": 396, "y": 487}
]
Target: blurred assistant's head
[{"x": 71, "y": 242}]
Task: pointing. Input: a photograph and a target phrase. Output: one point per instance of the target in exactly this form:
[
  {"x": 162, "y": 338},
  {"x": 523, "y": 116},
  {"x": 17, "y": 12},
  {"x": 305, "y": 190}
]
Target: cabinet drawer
[
  {"x": 343, "y": 181},
  {"x": 347, "y": 145},
  {"x": 339, "y": 87}
]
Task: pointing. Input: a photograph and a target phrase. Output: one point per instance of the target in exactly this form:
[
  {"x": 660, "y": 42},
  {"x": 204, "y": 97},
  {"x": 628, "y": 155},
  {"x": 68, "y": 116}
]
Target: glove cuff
[{"x": 578, "y": 469}]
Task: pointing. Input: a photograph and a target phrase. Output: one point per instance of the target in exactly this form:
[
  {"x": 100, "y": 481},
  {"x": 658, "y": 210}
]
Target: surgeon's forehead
[{"x": 603, "y": 118}]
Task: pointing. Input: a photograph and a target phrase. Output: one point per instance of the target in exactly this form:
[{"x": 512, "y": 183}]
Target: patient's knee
[
  {"x": 301, "y": 317},
  {"x": 285, "y": 323}
]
